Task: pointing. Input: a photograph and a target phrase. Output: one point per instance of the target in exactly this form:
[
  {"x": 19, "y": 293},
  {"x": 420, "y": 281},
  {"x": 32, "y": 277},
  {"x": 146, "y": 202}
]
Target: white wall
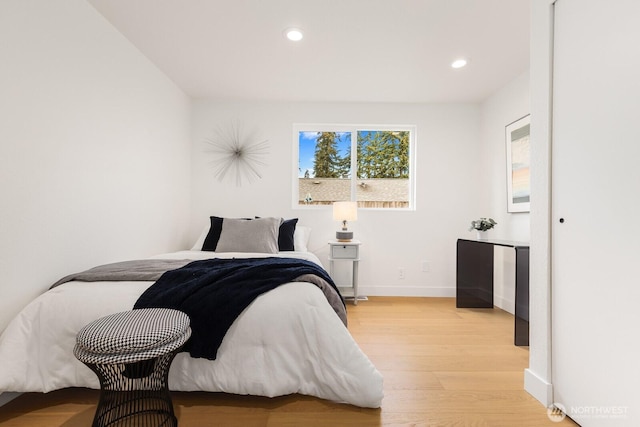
[
  {"x": 504, "y": 107},
  {"x": 95, "y": 149},
  {"x": 448, "y": 147}
]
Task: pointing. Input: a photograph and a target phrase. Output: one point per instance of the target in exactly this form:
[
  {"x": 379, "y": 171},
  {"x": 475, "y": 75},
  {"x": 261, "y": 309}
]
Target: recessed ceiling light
[
  {"x": 294, "y": 34},
  {"x": 459, "y": 63}
]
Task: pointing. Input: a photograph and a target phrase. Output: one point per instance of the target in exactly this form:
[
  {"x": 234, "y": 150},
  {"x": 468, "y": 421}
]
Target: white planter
[{"x": 482, "y": 235}]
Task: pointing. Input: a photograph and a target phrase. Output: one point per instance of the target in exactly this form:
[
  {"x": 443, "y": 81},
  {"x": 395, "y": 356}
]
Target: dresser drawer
[{"x": 344, "y": 251}]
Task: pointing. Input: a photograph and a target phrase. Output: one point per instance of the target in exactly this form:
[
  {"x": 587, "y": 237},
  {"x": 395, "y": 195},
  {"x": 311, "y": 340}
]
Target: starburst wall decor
[{"x": 238, "y": 153}]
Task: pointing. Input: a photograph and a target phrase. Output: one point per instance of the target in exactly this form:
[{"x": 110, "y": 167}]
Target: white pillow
[
  {"x": 197, "y": 246},
  {"x": 258, "y": 235},
  {"x": 300, "y": 238}
]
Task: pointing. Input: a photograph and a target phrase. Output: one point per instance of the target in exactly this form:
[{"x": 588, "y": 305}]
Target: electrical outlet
[
  {"x": 425, "y": 266},
  {"x": 401, "y": 273}
]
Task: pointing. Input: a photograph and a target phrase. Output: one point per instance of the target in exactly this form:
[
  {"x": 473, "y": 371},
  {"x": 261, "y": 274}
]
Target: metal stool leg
[{"x": 135, "y": 394}]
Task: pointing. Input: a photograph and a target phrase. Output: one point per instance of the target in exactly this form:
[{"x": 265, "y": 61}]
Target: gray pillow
[{"x": 258, "y": 235}]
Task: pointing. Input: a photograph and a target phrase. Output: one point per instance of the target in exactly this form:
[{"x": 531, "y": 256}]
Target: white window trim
[{"x": 353, "y": 128}]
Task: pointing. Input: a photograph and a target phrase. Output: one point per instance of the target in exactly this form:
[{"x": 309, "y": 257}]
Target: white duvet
[{"x": 289, "y": 340}]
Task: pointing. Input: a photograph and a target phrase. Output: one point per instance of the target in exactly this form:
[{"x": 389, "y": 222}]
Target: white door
[{"x": 596, "y": 211}]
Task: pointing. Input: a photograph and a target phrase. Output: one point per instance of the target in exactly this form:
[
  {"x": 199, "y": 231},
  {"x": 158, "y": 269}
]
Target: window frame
[{"x": 354, "y": 129}]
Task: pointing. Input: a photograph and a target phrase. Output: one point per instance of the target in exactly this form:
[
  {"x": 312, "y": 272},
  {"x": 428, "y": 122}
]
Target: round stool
[{"x": 131, "y": 353}]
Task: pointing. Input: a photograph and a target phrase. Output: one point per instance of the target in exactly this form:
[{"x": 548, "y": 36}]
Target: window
[{"x": 381, "y": 156}]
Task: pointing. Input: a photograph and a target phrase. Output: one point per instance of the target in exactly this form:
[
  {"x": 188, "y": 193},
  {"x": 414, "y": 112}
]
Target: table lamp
[{"x": 345, "y": 211}]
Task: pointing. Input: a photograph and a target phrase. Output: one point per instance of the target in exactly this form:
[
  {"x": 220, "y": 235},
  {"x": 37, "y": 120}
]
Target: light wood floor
[{"x": 442, "y": 366}]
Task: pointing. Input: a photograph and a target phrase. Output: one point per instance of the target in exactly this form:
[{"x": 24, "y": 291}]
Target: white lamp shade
[{"x": 345, "y": 211}]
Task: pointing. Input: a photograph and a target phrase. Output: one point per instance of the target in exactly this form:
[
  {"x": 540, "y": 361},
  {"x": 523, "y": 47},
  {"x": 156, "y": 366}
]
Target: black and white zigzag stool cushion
[{"x": 132, "y": 336}]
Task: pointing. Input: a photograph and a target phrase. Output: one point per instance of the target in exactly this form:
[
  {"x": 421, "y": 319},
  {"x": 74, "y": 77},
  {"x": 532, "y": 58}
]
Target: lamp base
[{"x": 344, "y": 236}]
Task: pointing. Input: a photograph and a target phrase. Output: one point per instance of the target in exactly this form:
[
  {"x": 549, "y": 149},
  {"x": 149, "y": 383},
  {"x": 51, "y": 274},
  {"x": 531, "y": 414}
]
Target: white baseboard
[
  {"x": 6, "y": 397},
  {"x": 405, "y": 291},
  {"x": 538, "y": 388},
  {"x": 505, "y": 304},
  {"x": 419, "y": 291}
]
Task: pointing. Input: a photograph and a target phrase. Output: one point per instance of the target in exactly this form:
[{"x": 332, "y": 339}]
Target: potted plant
[{"x": 481, "y": 226}]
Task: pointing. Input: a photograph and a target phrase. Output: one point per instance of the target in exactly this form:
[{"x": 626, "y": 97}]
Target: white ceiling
[{"x": 353, "y": 50}]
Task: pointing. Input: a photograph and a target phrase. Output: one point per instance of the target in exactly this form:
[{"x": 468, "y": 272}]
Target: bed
[{"x": 288, "y": 340}]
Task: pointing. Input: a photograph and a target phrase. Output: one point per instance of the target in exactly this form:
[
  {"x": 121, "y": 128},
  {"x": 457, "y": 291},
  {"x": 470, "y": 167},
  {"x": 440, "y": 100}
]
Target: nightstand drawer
[{"x": 344, "y": 251}]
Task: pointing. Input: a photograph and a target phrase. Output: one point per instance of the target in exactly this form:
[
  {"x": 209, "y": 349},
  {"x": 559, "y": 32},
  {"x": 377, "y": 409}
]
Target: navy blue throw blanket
[{"x": 214, "y": 292}]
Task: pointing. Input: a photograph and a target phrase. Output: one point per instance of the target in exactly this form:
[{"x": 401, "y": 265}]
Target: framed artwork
[{"x": 518, "y": 165}]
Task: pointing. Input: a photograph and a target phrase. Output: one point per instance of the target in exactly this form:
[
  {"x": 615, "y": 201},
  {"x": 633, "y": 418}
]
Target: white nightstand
[{"x": 346, "y": 251}]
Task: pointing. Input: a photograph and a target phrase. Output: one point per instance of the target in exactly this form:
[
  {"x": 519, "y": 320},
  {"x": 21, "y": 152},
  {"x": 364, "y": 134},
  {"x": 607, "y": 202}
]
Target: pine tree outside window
[{"x": 370, "y": 164}]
